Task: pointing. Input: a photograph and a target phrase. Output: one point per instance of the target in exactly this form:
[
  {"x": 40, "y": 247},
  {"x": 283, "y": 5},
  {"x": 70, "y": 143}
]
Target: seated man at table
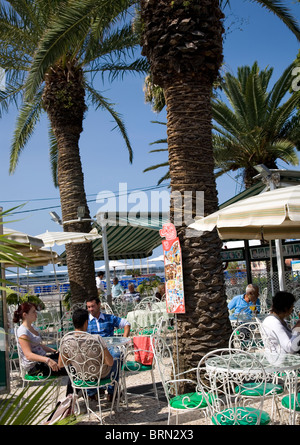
[
  {"x": 117, "y": 289},
  {"x": 104, "y": 325},
  {"x": 132, "y": 295},
  {"x": 243, "y": 303},
  {"x": 288, "y": 338},
  {"x": 80, "y": 321}
]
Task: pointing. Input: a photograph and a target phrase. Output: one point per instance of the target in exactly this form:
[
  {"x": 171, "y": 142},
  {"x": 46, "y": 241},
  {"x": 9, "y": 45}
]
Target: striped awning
[
  {"x": 269, "y": 215},
  {"x": 128, "y": 237}
]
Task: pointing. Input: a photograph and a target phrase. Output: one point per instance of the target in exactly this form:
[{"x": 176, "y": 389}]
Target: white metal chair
[
  {"x": 247, "y": 337},
  {"x": 171, "y": 381},
  {"x": 138, "y": 359},
  {"x": 83, "y": 357},
  {"x": 234, "y": 385}
]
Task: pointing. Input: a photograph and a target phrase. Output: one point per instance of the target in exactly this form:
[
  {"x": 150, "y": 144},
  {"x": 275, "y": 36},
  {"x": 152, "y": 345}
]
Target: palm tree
[
  {"x": 182, "y": 40},
  {"x": 102, "y": 42},
  {"x": 260, "y": 127}
]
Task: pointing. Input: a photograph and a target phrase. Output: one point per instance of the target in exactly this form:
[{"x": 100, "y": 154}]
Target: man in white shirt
[{"x": 100, "y": 283}]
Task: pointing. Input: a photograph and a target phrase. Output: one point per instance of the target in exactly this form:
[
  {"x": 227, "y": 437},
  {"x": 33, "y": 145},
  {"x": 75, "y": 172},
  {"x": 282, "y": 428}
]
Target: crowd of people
[{"x": 37, "y": 358}]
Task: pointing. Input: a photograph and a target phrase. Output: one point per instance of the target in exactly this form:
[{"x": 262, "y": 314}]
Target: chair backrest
[
  {"x": 165, "y": 364},
  {"x": 83, "y": 357},
  {"x": 105, "y": 307},
  {"x": 246, "y": 337},
  {"x": 149, "y": 305},
  {"x": 228, "y": 379},
  {"x": 270, "y": 339}
]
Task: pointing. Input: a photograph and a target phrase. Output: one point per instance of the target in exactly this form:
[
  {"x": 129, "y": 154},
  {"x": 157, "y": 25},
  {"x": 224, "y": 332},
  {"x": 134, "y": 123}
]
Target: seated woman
[
  {"x": 282, "y": 307},
  {"x": 35, "y": 357}
]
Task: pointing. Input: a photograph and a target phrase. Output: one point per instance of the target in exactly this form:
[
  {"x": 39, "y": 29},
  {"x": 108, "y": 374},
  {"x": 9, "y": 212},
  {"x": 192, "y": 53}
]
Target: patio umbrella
[
  {"x": 272, "y": 215},
  {"x": 114, "y": 264},
  {"x": 51, "y": 238},
  {"x": 159, "y": 258}
]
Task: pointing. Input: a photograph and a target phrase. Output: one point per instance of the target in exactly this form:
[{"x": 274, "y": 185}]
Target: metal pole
[{"x": 106, "y": 259}]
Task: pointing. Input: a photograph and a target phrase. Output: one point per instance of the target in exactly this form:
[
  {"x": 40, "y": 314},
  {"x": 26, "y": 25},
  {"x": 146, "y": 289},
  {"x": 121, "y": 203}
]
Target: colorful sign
[{"x": 173, "y": 270}]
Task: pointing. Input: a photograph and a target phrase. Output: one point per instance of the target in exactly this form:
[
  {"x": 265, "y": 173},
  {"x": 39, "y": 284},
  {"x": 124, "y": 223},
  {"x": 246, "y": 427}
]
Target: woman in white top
[
  {"x": 35, "y": 357},
  {"x": 282, "y": 307}
]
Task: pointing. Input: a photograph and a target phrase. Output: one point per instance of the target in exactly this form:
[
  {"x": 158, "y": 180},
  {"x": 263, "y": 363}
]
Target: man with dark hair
[
  {"x": 287, "y": 337},
  {"x": 104, "y": 325},
  {"x": 80, "y": 321}
]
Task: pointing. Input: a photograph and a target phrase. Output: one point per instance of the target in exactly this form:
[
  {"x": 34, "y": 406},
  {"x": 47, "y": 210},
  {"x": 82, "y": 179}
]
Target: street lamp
[
  {"x": 80, "y": 215},
  {"x": 55, "y": 218}
]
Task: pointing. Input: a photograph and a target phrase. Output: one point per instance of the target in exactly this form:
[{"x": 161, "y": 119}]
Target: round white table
[{"x": 285, "y": 366}]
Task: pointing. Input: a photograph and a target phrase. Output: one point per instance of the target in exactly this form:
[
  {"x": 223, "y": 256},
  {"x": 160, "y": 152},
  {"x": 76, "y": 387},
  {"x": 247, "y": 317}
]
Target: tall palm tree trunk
[
  {"x": 183, "y": 43},
  {"x": 63, "y": 99},
  {"x": 205, "y": 325}
]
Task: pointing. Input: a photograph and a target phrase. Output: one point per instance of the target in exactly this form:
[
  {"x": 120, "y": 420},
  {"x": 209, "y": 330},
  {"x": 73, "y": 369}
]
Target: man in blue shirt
[
  {"x": 243, "y": 302},
  {"x": 104, "y": 324}
]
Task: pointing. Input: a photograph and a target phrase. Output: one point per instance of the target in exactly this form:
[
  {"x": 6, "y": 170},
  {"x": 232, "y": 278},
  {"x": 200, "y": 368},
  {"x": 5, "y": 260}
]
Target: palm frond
[
  {"x": 66, "y": 35},
  {"x": 101, "y": 102},
  {"x": 27, "y": 118},
  {"x": 53, "y": 155},
  {"x": 282, "y": 12}
]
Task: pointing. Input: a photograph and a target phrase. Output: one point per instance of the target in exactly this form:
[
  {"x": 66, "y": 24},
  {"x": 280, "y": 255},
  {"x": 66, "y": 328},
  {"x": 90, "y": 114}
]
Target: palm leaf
[
  {"x": 282, "y": 12},
  {"x": 28, "y": 117},
  {"x": 100, "y": 102}
]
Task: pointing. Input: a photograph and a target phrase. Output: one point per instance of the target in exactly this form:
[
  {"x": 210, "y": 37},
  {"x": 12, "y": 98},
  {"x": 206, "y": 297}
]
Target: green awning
[{"x": 129, "y": 237}]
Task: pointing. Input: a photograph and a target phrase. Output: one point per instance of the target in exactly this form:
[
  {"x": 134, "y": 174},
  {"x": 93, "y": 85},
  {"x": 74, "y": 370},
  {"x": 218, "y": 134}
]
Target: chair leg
[{"x": 154, "y": 386}]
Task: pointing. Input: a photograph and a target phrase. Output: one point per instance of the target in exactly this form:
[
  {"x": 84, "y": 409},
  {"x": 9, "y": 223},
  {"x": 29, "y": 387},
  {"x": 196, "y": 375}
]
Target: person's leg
[{"x": 114, "y": 372}]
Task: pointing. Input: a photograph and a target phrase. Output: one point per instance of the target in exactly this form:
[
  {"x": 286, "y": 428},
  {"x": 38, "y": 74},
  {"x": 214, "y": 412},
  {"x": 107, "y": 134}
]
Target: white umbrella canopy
[
  {"x": 113, "y": 264},
  {"x": 269, "y": 216},
  {"x": 20, "y": 237},
  {"x": 51, "y": 238},
  {"x": 31, "y": 248},
  {"x": 159, "y": 258},
  {"x": 272, "y": 215}
]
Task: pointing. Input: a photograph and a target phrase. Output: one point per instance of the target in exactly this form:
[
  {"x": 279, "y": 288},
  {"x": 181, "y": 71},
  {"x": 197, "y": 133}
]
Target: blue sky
[{"x": 254, "y": 35}]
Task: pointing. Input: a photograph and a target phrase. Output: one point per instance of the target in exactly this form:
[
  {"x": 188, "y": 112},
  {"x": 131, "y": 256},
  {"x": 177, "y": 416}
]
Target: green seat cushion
[
  {"x": 36, "y": 378},
  {"x": 255, "y": 390},
  {"x": 135, "y": 366},
  {"x": 241, "y": 416},
  {"x": 286, "y": 402},
  {"x": 188, "y": 400},
  {"x": 90, "y": 383}
]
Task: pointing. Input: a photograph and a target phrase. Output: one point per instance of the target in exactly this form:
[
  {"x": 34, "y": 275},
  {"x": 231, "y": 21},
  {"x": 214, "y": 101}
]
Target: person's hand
[{"x": 52, "y": 364}]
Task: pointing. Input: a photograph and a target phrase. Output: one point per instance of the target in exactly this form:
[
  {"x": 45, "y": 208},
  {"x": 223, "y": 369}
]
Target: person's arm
[
  {"x": 26, "y": 348},
  {"x": 48, "y": 349},
  {"x": 232, "y": 303},
  {"x": 126, "y": 330},
  {"x": 108, "y": 358}
]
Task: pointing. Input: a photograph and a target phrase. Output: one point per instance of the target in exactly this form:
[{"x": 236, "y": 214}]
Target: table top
[
  {"x": 270, "y": 362},
  {"x": 117, "y": 341}
]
